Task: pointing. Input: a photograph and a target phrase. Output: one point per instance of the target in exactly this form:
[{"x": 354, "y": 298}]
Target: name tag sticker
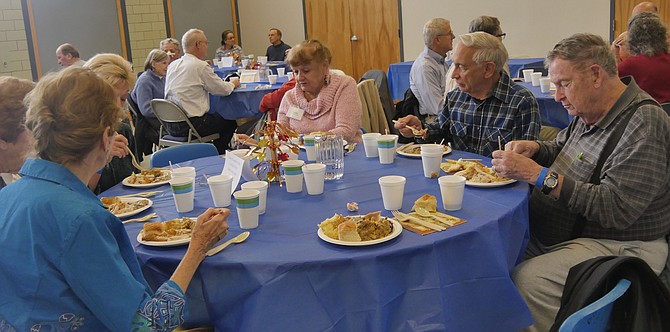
[{"x": 295, "y": 113}]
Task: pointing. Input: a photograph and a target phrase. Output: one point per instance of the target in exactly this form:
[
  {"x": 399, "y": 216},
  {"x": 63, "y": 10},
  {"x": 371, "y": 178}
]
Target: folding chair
[
  {"x": 179, "y": 153},
  {"x": 595, "y": 317},
  {"x": 169, "y": 112}
]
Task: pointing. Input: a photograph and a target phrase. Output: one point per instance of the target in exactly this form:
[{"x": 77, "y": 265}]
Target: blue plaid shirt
[{"x": 473, "y": 125}]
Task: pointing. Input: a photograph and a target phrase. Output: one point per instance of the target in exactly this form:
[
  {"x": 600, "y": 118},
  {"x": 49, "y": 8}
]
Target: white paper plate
[
  {"x": 397, "y": 229},
  {"x": 489, "y": 185},
  {"x": 400, "y": 151},
  {"x": 134, "y": 212},
  {"x": 162, "y": 243},
  {"x": 146, "y": 185}
]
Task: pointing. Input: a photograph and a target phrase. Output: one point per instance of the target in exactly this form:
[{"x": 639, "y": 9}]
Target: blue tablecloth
[
  {"x": 552, "y": 112},
  {"x": 273, "y": 65},
  {"x": 398, "y": 73},
  {"x": 244, "y": 101},
  {"x": 284, "y": 278}
]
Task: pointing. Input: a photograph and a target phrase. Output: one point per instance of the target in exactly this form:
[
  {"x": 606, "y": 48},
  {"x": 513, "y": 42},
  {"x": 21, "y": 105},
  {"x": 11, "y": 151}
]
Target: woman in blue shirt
[{"x": 66, "y": 263}]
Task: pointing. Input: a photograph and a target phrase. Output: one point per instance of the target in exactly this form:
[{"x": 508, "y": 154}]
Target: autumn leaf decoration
[{"x": 273, "y": 136}]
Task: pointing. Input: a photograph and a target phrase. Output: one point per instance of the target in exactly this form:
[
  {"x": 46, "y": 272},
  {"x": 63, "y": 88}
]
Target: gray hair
[
  {"x": 170, "y": 41},
  {"x": 154, "y": 55},
  {"x": 68, "y": 49},
  {"x": 582, "y": 50},
  {"x": 647, "y": 35},
  {"x": 487, "y": 48},
  {"x": 190, "y": 38},
  {"x": 432, "y": 29},
  {"x": 488, "y": 24}
]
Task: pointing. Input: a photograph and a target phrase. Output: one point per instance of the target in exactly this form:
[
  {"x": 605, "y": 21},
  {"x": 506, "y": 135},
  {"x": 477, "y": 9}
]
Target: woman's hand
[
  {"x": 244, "y": 140},
  {"x": 119, "y": 147},
  {"x": 407, "y": 125},
  {"x": 210, "y": 227}
]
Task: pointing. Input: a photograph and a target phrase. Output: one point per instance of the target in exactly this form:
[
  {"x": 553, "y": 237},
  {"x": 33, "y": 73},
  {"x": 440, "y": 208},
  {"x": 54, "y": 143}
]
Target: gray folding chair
[{"x": 169, "y": 112}]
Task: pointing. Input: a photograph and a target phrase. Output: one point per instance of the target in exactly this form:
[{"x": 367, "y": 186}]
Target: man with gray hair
[
  {"x": 601, "y": 186},
  {"x": 172, "y": 47},
  {"x": 429, "y": 70},
  {"x": 188, "y": 83},
  {"x": 487, "y": 108},
  {"x": 68, "y": 55}
]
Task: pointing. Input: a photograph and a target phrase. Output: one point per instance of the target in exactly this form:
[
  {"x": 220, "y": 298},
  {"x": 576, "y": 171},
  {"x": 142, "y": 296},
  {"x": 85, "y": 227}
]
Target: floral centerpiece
[{"x": 272, "y": 137}]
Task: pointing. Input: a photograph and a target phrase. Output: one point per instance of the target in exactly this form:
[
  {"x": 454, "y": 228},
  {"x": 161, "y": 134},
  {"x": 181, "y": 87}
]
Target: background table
[
  {"x": 398, "y": 73},
  {"x": 552, "y": 112},
  {"x": 244, "y": 101},
  {"x": 273, "y": 65},
  {"x": 284, "y": 278}
]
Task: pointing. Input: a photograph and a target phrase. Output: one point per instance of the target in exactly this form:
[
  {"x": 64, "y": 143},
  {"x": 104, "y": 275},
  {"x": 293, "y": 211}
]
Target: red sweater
[{"x": 652, "y": 74}]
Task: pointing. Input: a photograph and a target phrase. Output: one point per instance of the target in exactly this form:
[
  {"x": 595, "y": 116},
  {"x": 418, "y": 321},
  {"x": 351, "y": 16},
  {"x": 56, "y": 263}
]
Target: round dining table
[{"x": 285, "y": 278}]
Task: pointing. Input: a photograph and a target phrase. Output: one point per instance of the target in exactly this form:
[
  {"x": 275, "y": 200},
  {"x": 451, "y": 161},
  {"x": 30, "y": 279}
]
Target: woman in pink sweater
[{"x": 321, "y": 100}]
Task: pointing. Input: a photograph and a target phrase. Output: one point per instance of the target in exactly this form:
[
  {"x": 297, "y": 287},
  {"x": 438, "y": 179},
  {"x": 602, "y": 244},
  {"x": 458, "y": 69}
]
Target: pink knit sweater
[{"x": 337, "y": 108}]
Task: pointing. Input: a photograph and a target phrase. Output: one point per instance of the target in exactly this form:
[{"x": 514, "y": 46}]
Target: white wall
[
  {"x": 256, "y": 17},
  {"x": 533, "y": 27}
]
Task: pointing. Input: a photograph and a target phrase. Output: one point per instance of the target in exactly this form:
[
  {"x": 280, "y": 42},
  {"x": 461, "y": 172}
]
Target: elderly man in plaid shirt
[{"x": 487, "y": 108}]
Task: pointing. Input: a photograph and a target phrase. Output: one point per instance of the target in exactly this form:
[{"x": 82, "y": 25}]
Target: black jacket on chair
[{"x": 644, "y": 307}]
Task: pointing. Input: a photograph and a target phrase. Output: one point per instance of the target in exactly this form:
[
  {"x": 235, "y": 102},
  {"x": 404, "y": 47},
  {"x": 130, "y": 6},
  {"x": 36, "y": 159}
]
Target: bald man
[{"x": 68, "y": 55}]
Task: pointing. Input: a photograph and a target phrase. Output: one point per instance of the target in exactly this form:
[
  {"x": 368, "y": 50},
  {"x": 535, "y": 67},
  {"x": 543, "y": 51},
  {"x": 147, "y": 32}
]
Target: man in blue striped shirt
[{"x": 487, "y": 107}]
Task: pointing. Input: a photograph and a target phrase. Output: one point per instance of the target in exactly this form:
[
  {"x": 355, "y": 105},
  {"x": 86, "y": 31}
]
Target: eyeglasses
[
  {"x": 450, "y": 34},
  {"x": 502, "y": 35},
  {"x": 204, "y": 41}
]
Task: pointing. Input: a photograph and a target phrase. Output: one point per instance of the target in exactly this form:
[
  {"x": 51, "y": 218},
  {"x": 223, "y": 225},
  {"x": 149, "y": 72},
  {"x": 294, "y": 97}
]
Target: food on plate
[
  {"x": 426, "y": 202},
  {"x": 153, "y": 175},
  {"x": 352, "y": 206},
  {"x": 348, "y": 231},
  {"x": 371, "y": 226},
  {"x": 416, "y": 149},
  {"x": 117, "y": 206},
  {"x": 472, "y": 170},
  {"x": 175, "y": 229}
]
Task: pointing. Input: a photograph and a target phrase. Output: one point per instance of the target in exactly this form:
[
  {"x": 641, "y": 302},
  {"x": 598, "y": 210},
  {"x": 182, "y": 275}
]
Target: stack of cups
[
  {"x": 220, "y": 186},
  {"x": 262, "y": 188},
  {"x": 247, "y": 202},
  {"x": 535, "y": 78},
  {"x": 293, "y": 175},
  {"x": 452, "y": 188},
  {"x": 370, "y": 144},
  {"x": 431, "y": 157},
  {"x": 308, "y": 140},
  {"x": 393, "y": 190},
  {"x": 386, "y": 148},
  {"x": 315, "y": 175}
]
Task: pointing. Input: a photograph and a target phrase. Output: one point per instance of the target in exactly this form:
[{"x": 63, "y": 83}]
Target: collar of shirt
[
  {"x": 56, "y": 173},
  {"x": 621, "y": 104},
  {"x": 436, "y": 56}
]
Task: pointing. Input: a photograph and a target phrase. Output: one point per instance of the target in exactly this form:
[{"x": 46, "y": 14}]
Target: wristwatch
[{"x": 550, "y": 182}]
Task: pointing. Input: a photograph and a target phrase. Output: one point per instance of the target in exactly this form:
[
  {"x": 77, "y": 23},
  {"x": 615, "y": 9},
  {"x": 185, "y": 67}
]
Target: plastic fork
[
  {"x": 134, "y": 160},
  {"x": 141, "y": 219},
  {"x": 143, "y": 194},
  {"x": 407, "y": 218}
]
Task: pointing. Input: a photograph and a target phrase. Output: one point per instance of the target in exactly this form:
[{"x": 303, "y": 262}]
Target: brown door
[{"x": 361, "y": 34}]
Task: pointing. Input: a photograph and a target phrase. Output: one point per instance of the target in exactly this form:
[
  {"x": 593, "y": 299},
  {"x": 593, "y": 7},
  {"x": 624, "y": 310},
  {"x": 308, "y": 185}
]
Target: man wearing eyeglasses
[
  {"x": 487, "y": 107},
  {"x": 188, "y": 83},
  {"x": 429, "y": 70}
]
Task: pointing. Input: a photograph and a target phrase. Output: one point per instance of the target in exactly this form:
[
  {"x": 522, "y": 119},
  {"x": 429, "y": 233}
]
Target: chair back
[
  {"x": 381, "y": 81},
  {"x": 168, "y": 112},
  {"x": 179, "y": 153},
  {"x": 595, "y": 317}
]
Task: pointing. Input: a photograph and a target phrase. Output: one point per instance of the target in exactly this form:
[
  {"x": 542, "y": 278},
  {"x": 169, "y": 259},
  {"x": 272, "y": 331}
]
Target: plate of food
[
  {"x": 414, "y": 150},
  {"x": 475, "y": 172},
  {"x": 148, "y": 178},
  {"x": 169, "y": 233},
  {"x": 358, "y": 230},
  {"x": 126, "y": 206}
]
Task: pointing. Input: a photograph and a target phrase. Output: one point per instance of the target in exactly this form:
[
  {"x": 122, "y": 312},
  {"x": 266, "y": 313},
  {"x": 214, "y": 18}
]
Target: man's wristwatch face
[{"x": 550, "y": 182}]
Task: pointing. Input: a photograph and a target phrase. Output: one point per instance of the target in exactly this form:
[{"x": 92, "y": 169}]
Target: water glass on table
[
  {"x": 308, "y": 141},
  {"x": 431, "y": 157},
  {"x": 293, "y": 175},
  {"x": 220, "y": 186},
  {"x": 329, "y": 151},
  {"x": 370, "y": 144},
  {"x": 262, "y": 187},
  {"x": 393, "y": 190},
  {"x": 183, "y": 192},
  {"x": 452, "y": 189},
  {"x": 314, "y": 175},
  {"x": 386, "y": 145},
  {"x": 247, "y": 201}
]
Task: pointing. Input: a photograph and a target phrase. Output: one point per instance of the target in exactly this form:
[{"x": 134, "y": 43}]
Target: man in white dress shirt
[
  {"x": 189, "y": 81},
  {"x": 68, "y": 55}
]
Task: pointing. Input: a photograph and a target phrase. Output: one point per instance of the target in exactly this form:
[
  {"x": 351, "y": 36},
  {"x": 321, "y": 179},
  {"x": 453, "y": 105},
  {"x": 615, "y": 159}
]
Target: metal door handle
[{"x": 354, "y": 38}]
